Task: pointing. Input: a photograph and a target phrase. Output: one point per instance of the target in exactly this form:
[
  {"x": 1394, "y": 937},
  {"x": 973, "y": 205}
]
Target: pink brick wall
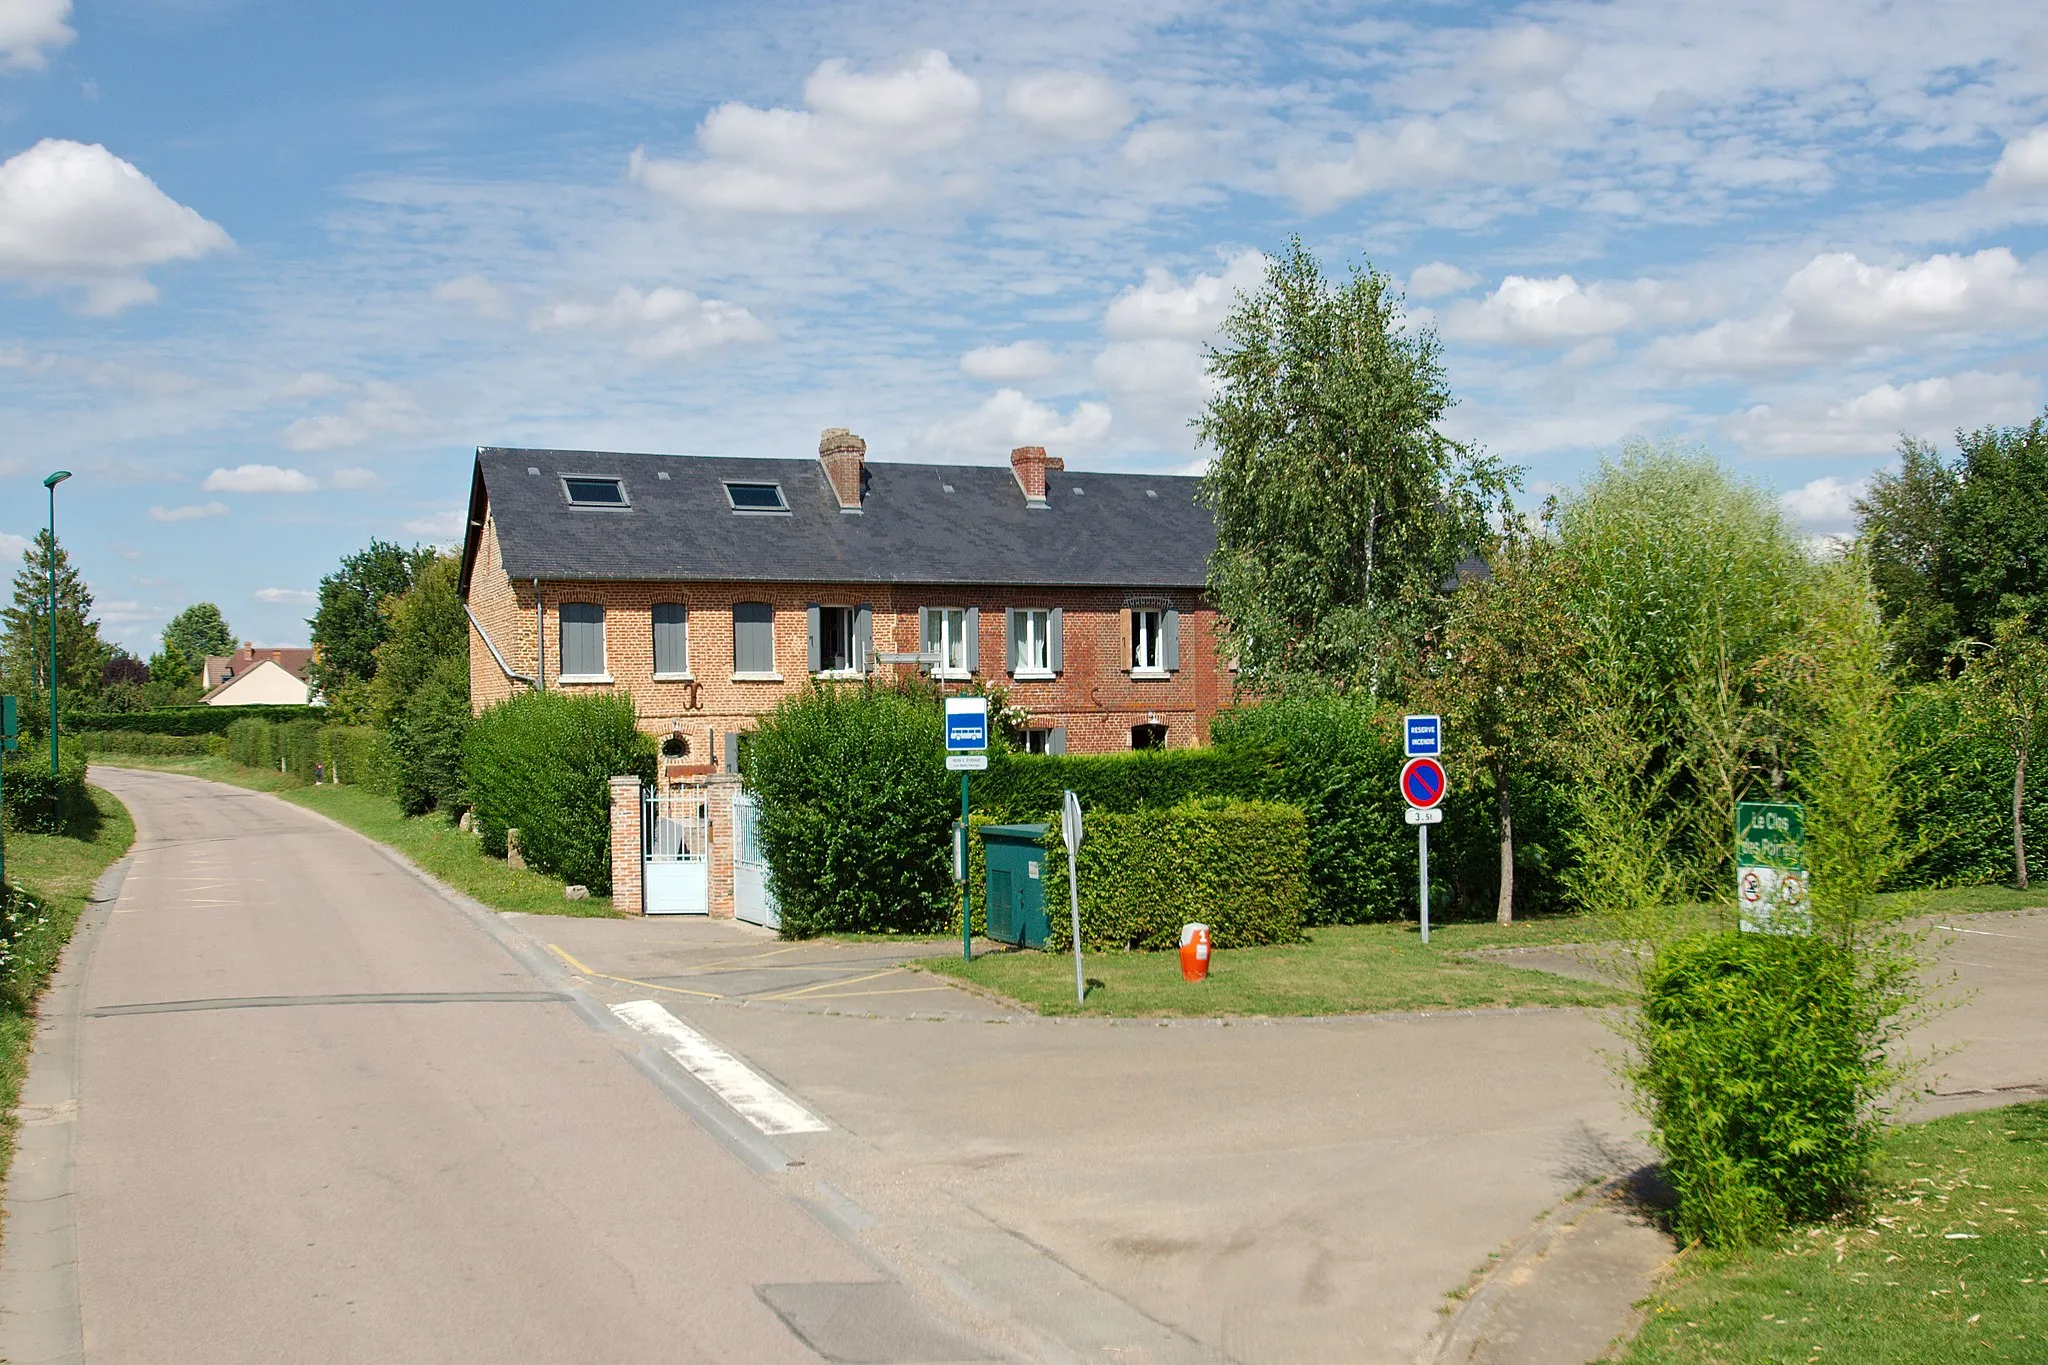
[{"x": 626, "y": 846}]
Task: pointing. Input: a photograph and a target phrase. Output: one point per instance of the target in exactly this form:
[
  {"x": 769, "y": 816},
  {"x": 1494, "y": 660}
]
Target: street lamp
[{"x": 51, "y": 484}]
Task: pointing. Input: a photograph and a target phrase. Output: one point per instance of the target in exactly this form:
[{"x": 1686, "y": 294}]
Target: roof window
[
  {"x": 589, "y": 492},
  {"x": 755, "y": 497}
]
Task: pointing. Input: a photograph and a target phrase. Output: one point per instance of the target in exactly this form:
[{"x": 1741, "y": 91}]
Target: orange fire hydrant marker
[{"x": 1194, "y": 951}]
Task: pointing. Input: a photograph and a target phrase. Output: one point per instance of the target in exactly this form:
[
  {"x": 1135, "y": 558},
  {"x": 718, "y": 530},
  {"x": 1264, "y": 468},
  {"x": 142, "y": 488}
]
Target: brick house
[{"x": 708, "y": 588}]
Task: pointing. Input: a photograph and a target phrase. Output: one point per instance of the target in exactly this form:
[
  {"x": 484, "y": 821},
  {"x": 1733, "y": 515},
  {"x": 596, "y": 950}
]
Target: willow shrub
[
  {"x": 1240, "y": 867},
  {"x": 1760, "y": 1063},
  {"x": 542, "y": 763},
  {"x": 856, "y": 810}
]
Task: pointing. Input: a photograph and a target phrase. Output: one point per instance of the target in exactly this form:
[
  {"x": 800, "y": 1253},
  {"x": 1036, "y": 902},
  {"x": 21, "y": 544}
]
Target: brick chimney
[
  {"x": 844, "y": 456},
  {"x": 1029, "y": 463}
]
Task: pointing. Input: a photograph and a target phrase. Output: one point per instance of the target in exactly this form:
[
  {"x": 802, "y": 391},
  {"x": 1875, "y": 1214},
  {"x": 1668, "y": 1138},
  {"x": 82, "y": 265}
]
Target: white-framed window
[
  {"x": 671, "y": 640},
  {"x": 1147, "y": 630},
  {"x": 582, "y": 642},
  {"x": 948, "y": 634},
  {"x": 839, "y": 644},
  {"x": 1044, "y": 740},
  {"x": 1035, "y": 647}
]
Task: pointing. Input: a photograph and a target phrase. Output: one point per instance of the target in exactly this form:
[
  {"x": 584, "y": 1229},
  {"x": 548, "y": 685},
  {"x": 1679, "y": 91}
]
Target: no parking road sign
[{"x": 1422, "y": 782}]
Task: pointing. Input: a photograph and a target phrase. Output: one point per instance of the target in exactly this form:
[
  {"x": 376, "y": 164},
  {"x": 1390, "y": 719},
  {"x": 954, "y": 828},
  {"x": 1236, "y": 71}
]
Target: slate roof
[{"x": 920, "y": 523}]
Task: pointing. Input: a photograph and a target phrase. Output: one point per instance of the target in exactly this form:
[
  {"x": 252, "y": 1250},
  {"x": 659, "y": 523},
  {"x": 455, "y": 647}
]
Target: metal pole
[
  {"x": 966, "y": 880},
  {"x": 1074, "y": 898},
  {"x": 52, "y": 486},
  {"x": 1422, "y": 836}
]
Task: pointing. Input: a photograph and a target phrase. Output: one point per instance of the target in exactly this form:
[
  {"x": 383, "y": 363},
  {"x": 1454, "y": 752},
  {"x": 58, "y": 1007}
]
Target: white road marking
[{"x": 753, "y": 1096}]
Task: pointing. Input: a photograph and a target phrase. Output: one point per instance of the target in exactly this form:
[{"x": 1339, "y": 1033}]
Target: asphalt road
[{"x": 323, "y": 1114}]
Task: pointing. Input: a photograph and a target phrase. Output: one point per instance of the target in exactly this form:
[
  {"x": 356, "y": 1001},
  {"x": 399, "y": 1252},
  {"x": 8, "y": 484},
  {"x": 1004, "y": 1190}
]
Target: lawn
[
  {"x": 1949, "y": 1264},
  {"x": 1341, "y": 969},
  {"x": 59, "y": 871},
  {"x": 431, "y": 842}
]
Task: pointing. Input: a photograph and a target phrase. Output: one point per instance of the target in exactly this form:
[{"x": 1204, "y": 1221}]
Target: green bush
[
  {"x": 141, "y": 742},
  {"x": 357, "y": 755},
  {"x": 1239, "y": 867},
  {"x": 1027, "y": 787},
  {"x": 1760, "y": 1061},
  {"x": 1955, "y": 789},
  {"x": 425, "y": 741},
  {"x": 184, "y": 720},
  {"x": 542, "y": 763},
  {"x": 856, "y": 809},
  {"x": 38, "y": 802}
]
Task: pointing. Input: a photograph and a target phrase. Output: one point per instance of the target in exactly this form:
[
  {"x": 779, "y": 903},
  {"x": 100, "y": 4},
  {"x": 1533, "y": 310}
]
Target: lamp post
[{"x": 51, "y": 484}]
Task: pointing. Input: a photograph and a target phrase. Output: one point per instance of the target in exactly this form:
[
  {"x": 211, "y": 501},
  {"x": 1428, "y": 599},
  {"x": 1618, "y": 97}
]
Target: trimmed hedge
[
  {"x": 357, "y": 755},
  {"x": 542, "y": 763},
  {"x": 36, "y": 801},
  {"x": 293, "y": 747},
  {"x": 1761, "y": 1058},
  {"x": 184, "y": 720},
  {"x": 856, "y": 810},
  {"x": 143, "y": 742},
  {"x": 1240, "y": 867},
  {"x": 1021, "y": 788}
]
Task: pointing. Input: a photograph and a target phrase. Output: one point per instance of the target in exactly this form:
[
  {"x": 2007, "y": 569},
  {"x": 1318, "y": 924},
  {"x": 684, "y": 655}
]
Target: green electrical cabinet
[{"x": 1015, "y": 894}]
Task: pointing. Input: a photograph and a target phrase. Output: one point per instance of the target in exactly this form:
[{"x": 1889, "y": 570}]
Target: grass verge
[
  {"x": 1948, "y": 1264},
  {"x": 58, "y": 871},
  {"x": 1341, "y": 969},
  {"x": 432, "y": 843}
]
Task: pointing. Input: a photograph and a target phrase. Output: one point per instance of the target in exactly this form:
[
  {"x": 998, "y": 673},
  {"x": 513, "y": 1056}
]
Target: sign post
[
  {"x": 1423, "y": 785},
  {"x": 1771, "y": 887},
  {"x": 966, "y": 745},
  {"x": 1070, "y": 831}
]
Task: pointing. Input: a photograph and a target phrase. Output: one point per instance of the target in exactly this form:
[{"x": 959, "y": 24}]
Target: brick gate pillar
[
  {"x": 626, "y": 847},
  {"x": 719, "y": 789}
]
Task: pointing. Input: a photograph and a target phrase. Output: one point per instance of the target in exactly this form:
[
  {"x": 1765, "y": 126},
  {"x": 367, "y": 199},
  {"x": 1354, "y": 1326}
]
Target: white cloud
[
  {"x": 1162, "y": 371},
  {"x": 1827, "y": 505},
  {"x": 660, "y": 324},
  {"x": 1163, "y": 307},
  {"x": 196, "y": 512},
  {"x": 1437, "y": 279},
  {"x": 844, "y": 154},
  {"x": 1018, "y": 360},
  {"x": 259, "y": 478},
  {"x": 1073, "y": 105},
  {"x": 2023, "y": 165},
  {"x": 382, "y": 410},
  {"x": 1873, "y": 420},
  {"x": 27, "y": 27},
  {"x": 296, "y": 597},
  {"x": 353, "y": 477},
  {"x": 311, "y": 384},
  {"x": 477, "y": 294},
  {"x": 1542, "y": 312},
  {"x": 74, "y": 215},
  {"x": 1420, "y": 151},
  {"x": 1836, "y": 305},
  {"x": 1009, "y": 419},
  {"x": 439, "y": 526},
  {"x": 13, "y": 546}
]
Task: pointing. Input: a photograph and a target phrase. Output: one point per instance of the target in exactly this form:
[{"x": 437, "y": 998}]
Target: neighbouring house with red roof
[{"x": 258, "y": 676}]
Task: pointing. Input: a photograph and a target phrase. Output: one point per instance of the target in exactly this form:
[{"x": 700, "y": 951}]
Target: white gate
[
  {"x": 675, "y": 842},
  {"x": 751, "y": 899}
]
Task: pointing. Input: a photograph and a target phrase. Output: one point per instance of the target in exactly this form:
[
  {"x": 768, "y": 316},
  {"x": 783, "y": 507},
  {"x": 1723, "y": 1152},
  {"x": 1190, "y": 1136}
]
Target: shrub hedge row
[
  {"x": 1239, "y": 867},
  {"x": 184, "y": 720},
  {"x": 542, "y": 763},
  {"x": 36, "y": 801},
  {"x": 144, "y": 742}
]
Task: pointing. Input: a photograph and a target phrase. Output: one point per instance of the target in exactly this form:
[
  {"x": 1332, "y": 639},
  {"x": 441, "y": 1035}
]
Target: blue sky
[{"x": 269, "y": 272}]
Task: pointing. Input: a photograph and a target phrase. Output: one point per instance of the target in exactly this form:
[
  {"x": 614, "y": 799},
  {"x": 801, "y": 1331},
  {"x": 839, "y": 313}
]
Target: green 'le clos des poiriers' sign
[{"x": 1770, "y": 867}]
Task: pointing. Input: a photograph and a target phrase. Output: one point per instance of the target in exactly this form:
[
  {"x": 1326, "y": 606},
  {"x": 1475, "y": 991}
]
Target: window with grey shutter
[
  {"x": 671, "y": 640},
  {"x": 863, "y": 652},
  {"x": 1171, "y": 635},
  {"x": 582, "y": 643},
  {"x": 753, "y": 638},
  {"x": 1059, "y": 653}
]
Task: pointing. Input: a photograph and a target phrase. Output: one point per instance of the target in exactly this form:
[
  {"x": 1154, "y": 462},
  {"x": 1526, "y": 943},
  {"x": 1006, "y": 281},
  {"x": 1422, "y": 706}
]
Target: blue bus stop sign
[{"x": 966, "y": 724}]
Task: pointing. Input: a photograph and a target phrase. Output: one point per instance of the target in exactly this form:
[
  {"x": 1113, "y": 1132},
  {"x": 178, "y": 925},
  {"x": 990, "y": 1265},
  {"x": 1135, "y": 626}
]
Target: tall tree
[
  {"x": 1508, "y": 678},
  {"x": 350, "y": 623},
  {"x": 81, "y": 654},
  {"x": 1956, "y": 546},
  {"x": 2005, "y": 691},
  {"x": 1341, "y": 507},
  {"x": 420, "y": 694},
  {"x": 199, "y": 630}
]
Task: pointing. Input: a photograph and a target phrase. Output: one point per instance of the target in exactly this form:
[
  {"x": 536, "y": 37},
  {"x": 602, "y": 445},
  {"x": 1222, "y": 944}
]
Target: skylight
[
  {"x": 756, "y": 497},
  {"x": 588, "y": 492}
]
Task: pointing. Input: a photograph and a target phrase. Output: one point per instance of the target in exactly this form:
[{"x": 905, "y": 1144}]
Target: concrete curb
[
  {"x": 1522, "y": 1309},
  {"x": 39, "y": 1314}
]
